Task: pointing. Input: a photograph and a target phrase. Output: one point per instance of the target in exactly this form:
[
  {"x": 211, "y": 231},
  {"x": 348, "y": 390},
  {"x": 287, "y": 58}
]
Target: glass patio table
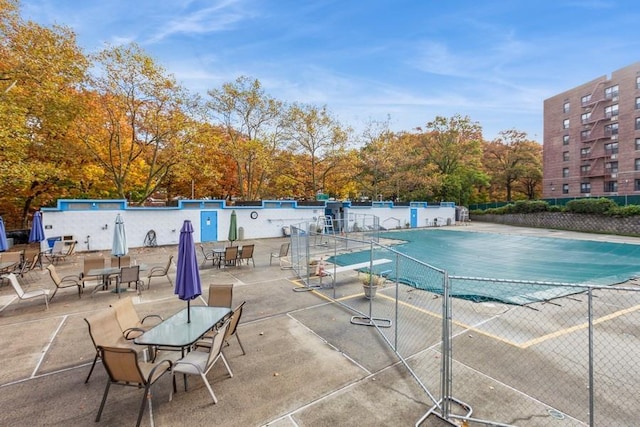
[{"x": 177, "y": 333}]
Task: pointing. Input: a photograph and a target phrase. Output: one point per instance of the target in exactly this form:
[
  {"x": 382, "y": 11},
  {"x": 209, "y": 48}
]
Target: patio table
[
  {"x": 104, "y": 273},
  {"x": 175, "y": 332}
]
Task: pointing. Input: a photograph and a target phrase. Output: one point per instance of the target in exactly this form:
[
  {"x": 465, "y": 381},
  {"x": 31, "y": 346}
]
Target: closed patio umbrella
[
  {"x": 188, "y": 285},
  {"x": 119, "y": 247},
  {"x": 3, "y": 237},
  {"x": 37, "y": 232},
  {"x": 233, "y": 227}
]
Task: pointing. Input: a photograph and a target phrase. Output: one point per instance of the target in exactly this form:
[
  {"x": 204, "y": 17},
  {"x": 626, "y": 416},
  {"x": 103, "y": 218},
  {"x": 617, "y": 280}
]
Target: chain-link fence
[{"x": 573, "y": 360}]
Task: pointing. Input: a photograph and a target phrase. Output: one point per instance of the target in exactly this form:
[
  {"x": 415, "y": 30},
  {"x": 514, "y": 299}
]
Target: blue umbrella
[
  {"x": 3, "y": 237},
  {"x": 119, "y": 247},
  {"x": 37, "y": 232},
  {"x": 188, "y": 284}
]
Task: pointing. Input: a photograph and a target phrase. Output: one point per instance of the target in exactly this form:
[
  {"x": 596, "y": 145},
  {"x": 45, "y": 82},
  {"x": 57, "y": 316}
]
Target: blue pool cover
[{"x": 511, "y": 257}]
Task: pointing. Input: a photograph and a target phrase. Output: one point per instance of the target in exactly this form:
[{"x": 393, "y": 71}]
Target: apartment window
[
  {"x": 610, "y": 186},
  {"x": 584, "y": 152},
  {"x": 565, "y": 124},
  {"x": 585, "y": 99},
  {"x": 638, "y": 82},
  {"x": 565, "y": 156},
  {"x": 584, "y": 134},
  {"x": 612, "y": 110},
  {"x": 637, "y": 143},
  {"x": 565, "y": 172},
  {"x": 636, "y": 185},
  {"x": 585, "y": 168},
  {"x": 565, "y": 140},
  {"x": 611, "y": 92},
  {"x": 612, "y": 167},
  {"x": 585, "y": 117},
  {"x": 611, "y": 148},
  {"x": 638, "y": 103},
  {"x": 637, "y": 123},
  {"x": 565, "y": 188},
  {"x": 585, "y": 187},
  {"x": 566, "y": 107},
  {"x": 637, "y": 165},
  {"x": 612, "y": 129}
]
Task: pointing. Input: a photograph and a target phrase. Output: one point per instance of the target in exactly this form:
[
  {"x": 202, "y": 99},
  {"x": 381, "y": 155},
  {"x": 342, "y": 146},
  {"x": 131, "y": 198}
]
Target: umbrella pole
[{"x": 188, "y": 311}]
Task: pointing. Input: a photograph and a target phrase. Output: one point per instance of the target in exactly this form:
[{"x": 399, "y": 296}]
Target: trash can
[
  {"x": 240, "y": 233},
  {"x": 52, "y": 240},
  {"x": 286, "y": 231}
]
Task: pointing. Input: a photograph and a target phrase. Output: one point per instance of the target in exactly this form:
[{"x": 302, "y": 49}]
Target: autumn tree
[
  {"x": 312, "y": 131},
  {"x": 41, "y": 69},
  {"x": 512, "y": 159},
  {"x": 252, "y": 122},
  {"x": 141, "y": 121},
  {"x": 453, "y": 146}
]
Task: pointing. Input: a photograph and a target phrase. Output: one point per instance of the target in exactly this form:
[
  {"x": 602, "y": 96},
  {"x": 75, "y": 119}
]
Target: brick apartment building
[{"x": 592, "y": 138}]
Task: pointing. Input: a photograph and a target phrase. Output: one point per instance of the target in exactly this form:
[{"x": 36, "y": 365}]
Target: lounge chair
[
  {"x": 247, "y": 254},
  {"x": 130, "y": 275},
  {"x": 281, "y": 255},
  {"x": 131, "y": 324},
  {"x": 13, "y": 279},
  {"x": 61, "y": 250},
  {"x": 124, "y": 369},
  {"x": 208, "y": 255},
  {"x": 63, "y": 282},
  {"x": 230, "y": 256},
  {"x": 200, "y": 362},
  {"x": 220, "y": 295},
  {"x": 160, "y": 271},
  {"x": 105, "y": 331}
]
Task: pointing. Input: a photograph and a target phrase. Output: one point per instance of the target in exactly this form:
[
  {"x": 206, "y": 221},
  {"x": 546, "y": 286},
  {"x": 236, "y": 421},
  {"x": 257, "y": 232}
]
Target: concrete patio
[{"x": 305, "y": 363}]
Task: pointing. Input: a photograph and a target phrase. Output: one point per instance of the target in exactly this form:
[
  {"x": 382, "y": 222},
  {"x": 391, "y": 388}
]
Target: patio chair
[
  {"x": 64, "y": 282},
  {"x": 92, "y": 263},
  {"x": 13, "y": 279},
  {"x": 230, "y": 256},
  {"x": 131, "y": 324},
  {"x": 208, "y": 255},
  {"x": 121, "y": 261},
  {"x": 124, "y": 369},
  {"x": 236, "y": 314},
  {"x": 281, "y": 255},
  {"x": 220, "y": 295},
  {"x": 58, "y": 247},
  {"x": 234, "y": 317},
  {"x": 247, "y": 254},
  {"x": 160, "y": 271},
  {"x": 130, "y": 275},
  {"x": 200, "y": 362},
  {"x": 30, "y": 263},
  {"x": 67, "y": 249},
  {"x": 105, "y": 331}
]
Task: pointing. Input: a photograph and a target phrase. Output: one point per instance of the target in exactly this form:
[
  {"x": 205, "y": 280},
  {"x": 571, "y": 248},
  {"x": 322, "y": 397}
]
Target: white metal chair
[
  {"x": 201, "y": 362},
  {"x": 13, "y": 279}
]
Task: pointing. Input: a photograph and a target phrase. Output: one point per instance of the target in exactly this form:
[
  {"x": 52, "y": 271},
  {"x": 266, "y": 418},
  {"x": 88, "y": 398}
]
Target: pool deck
[{"x": 306, "y": 364}]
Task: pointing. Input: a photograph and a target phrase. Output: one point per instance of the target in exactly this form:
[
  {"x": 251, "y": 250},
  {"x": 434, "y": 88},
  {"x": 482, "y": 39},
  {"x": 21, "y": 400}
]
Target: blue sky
[{"x": 411, "y": 60}]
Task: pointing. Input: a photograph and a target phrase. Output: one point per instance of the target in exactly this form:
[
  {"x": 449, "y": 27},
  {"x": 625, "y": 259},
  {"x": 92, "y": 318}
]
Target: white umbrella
[{"x": 120, "y": 247}]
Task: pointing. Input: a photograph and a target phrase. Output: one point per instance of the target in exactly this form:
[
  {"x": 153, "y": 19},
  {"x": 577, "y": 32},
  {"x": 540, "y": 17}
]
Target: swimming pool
[{"x": 513, "y": 257}]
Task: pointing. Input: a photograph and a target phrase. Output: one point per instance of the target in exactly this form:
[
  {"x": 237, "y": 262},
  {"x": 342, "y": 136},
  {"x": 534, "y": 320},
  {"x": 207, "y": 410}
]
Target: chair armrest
[
  {"x": 130, "y": 334},
  {"x": 71, "y": 278},
  {"x": 156, "y": 269},
  {"x": 156, "y": 316}
]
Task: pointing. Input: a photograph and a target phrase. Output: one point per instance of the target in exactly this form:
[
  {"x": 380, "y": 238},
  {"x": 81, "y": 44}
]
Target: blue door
[
  {"x": 414, "y": 217},
  {"x": 208, "y": 226}
]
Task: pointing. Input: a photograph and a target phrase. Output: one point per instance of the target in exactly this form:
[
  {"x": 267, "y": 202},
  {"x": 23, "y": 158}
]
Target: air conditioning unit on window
[
  {"x": 615, "y": 117},
  {"x": 614, "y": 156},
  {"x": 614, "y": 175},
  {"x": 614, "y": 136}
]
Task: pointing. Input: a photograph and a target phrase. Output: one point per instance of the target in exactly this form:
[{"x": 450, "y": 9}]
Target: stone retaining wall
[{"x": 629, "y": 226}]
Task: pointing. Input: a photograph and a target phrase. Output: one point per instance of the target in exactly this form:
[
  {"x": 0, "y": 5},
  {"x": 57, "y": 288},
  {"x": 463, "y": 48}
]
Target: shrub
[
  {"x": 624, "y": 211},
  {"x": 530, "y": 206},
  {"x": 591, "y": 206}
]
